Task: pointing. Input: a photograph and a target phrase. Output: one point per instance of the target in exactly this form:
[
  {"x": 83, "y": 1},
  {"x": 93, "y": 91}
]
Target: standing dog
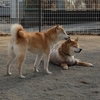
[
  {"x": 63, "y": 54},
  {"x": 37, "y": 43}
]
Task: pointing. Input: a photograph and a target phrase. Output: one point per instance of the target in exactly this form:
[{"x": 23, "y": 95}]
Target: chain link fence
[{"x": 81, "y": 16}]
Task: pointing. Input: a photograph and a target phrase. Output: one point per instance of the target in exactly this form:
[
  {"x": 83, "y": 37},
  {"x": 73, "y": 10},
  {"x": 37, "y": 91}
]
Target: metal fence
[{"x": 37, "y": 15}]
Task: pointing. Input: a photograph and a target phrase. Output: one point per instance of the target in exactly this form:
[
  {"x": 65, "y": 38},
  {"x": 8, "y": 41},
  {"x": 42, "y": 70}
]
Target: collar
[{"x": 65, "y": 53}]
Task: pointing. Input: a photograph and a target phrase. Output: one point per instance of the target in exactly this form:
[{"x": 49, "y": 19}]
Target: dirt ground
[{"x": 76, "y": 83}]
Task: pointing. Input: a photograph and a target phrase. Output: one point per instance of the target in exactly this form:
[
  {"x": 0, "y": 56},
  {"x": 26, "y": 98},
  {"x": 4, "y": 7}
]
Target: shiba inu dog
[
  {"x": 63, "y": 54},
  {"x": 37, "y": 43}
]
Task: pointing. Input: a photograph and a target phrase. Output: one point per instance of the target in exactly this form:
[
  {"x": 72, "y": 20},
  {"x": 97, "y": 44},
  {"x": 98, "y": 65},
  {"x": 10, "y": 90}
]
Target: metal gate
[{"x": 38, "y": 15}]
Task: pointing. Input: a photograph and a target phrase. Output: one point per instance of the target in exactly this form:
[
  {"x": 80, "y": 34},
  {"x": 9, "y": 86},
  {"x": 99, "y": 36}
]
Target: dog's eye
[{"x": 75, "y": 46}]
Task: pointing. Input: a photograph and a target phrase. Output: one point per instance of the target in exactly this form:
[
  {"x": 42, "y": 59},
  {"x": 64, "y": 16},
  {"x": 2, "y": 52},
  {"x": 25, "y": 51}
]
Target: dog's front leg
[
  {"x": 80, "y": 63},
  {"x": 65, "y": 66},
  {"x": 37, "y": 62},
  {"x": 46, "y": 62}
]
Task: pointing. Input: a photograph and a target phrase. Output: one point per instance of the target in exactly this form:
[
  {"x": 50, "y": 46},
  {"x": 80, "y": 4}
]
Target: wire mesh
[
  {"x": 35, "y": 15},
  {"x": 81, "y": 16}
]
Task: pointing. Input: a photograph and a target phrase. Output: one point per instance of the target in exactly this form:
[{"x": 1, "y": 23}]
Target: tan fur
[
  {"x": 37, "y": 43},
  {"x": 66, "y": 53}
]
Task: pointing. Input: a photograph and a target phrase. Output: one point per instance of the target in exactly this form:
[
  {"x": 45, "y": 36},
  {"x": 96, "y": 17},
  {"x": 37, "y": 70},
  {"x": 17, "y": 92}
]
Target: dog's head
[
  {"x": 71, "y": 46},
  {"x": 60, "y": 29}
]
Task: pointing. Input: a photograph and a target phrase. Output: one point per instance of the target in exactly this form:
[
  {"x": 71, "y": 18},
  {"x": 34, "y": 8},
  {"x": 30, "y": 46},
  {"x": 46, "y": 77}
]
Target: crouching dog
[{"x": 64, "y": 51}]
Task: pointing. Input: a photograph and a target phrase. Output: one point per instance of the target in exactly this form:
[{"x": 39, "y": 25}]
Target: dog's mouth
[
  {"x": 67, "y": 36},
  {"x": 78, "y": 51}
]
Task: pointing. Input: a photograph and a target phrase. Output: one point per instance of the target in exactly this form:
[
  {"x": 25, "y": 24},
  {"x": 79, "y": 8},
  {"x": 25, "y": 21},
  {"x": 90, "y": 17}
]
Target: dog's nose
[
  {"x": 67, "y": 38},
  {"x": 80, "y": 49}
]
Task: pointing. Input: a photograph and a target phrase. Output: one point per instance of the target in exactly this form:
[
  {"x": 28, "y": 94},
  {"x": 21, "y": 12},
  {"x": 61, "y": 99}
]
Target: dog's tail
[{"x": 17, "y": 31}]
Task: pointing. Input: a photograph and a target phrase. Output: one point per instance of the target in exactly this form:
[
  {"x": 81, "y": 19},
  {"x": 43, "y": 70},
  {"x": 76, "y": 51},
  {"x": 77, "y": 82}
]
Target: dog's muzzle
[
  {"x": 67, "y": 36},
  {"x": 78, "y": 51}
]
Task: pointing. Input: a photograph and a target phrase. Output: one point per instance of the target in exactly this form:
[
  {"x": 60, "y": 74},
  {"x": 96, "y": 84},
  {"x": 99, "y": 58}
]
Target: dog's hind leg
[
  {"x": 20, "y": 63},
  {"x": 37, "y": 62},
  {"x": 11, "y": 57},
  {"x": 46, "y": 62}
]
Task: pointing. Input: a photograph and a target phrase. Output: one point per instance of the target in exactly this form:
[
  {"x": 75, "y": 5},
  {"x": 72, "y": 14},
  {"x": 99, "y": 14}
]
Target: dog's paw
[
  {"x": 91, "y": 65},
  {"x": 65, "y": 67},
  {"x": 22, "y": 77},
  {"x": 48, "y": 72},
  {"x": 9, "y": 73},
  {"x": 35, "y": 70}
]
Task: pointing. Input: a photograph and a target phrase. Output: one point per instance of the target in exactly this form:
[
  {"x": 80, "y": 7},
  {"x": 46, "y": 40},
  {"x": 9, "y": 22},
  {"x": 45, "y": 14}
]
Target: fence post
[{"x": 40, "y": 16}]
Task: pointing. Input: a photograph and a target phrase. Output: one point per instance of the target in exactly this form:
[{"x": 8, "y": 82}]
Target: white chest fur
[{"x": 70, "y": 60}]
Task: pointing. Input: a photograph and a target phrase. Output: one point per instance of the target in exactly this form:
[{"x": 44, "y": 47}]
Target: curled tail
[{"x": 17, "y": 31}]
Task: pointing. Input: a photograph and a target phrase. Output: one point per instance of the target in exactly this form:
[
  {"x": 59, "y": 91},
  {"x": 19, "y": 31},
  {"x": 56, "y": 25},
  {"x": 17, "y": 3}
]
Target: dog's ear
[
  {"x": 77, "y": 39},
  {"x": 57, "y": 26},
  {"x": 60, "y": 25}
]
